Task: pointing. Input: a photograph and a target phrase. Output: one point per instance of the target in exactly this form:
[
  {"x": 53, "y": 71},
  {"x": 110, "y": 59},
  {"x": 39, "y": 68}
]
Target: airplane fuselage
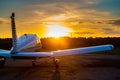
[{"x": 29, "y": 43}]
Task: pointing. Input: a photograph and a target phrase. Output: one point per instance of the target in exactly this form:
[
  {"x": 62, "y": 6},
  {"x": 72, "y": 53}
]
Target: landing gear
[
  {"x": 33, "y": 63},
  {"x": 56, "y": 62},
  {"x": 2, "y": 62}
]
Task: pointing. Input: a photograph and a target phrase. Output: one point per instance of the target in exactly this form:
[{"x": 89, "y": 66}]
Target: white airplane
[{"x": 25, "y": 48}]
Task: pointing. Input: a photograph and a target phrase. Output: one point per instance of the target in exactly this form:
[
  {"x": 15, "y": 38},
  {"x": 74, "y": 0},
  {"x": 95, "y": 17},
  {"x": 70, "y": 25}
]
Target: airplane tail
[{"x": 14, "y": 35}]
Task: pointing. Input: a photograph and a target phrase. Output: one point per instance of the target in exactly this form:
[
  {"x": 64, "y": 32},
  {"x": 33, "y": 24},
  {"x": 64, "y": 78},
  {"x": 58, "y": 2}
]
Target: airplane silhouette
[{"x": 25, "y": 48}]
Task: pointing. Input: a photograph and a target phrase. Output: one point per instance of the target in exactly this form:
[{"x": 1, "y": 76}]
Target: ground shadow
[{"x": 56, "y": 75}]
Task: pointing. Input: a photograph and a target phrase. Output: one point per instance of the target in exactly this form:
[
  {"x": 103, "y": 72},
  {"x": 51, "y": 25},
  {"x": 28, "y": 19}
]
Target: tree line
[{"x": 67, "y": 42}]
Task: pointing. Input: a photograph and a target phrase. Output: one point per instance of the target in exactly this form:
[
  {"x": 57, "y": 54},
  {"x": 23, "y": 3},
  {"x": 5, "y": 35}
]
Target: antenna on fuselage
[{"x": 14, "y": 36}]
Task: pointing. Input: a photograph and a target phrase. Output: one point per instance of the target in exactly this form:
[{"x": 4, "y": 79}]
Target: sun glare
[{"x": 57, "y": 31}]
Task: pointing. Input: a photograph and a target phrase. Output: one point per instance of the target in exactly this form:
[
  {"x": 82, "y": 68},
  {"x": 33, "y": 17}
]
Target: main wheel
[
  {"x": 56, "y": 62},
  {"x": 2, "y": 62},
  {"x": 33, "y": 63}
]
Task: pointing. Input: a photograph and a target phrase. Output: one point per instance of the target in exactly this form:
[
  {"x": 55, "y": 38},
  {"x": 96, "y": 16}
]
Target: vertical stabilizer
[{"x": 14, "y": 36}]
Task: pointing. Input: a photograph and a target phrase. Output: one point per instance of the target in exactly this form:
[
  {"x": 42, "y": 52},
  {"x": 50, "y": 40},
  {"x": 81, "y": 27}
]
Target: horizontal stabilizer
[
  {"x": 32, "y": 54},
  {"x": 83, "y": 50},
  {"x": 5, "y": 53},
  {"x": 64, "y": 52}
]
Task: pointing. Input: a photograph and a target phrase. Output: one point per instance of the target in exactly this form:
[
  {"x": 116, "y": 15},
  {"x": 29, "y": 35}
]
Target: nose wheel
[{"x": 2, "y": 62}]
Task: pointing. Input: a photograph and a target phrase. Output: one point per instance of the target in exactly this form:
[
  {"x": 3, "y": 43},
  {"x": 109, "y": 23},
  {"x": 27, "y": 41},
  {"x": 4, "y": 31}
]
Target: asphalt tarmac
[{"x": 77, "y": 67}]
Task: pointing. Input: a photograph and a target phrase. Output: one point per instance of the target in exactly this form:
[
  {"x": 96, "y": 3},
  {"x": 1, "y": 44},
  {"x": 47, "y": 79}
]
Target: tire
[
  {"x": 33, "y": 63},
  {"x": 2, "y": 63}
]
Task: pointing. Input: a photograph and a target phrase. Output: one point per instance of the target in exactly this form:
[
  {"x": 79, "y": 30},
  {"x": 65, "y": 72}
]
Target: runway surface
[{"x": 77, "y": 67}]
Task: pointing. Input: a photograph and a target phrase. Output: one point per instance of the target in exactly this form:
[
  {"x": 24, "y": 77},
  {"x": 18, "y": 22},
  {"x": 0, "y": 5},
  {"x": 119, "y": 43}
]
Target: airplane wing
[
  {"x": 2, "y": 50},
  {"x": 64, "y": 52},
  {"x": 4, "y": 53}
]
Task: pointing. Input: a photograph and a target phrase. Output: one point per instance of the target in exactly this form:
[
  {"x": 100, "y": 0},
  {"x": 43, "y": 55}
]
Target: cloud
[
  {"x": 3, "y": 20},
  {"x": 110, "y": 31},
  {"x": 96, "y": 32},
  {"x": 72, "y": 12},
  {"x": 115, "y": 22},
  {"x": 60, "y": 11},
  {"x": 79, "y": 33},
  {"x": 61, "y": 1}
]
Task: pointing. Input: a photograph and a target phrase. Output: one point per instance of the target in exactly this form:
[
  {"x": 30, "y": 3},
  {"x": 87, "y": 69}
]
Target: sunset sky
[{"x": 54, "y": 18}]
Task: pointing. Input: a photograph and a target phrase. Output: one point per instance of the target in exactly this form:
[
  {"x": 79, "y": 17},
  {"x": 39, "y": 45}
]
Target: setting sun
[{"x": 57, "y": 31}]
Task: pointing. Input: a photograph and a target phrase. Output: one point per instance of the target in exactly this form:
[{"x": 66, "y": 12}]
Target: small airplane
[{"x": 25, "y": 48}]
